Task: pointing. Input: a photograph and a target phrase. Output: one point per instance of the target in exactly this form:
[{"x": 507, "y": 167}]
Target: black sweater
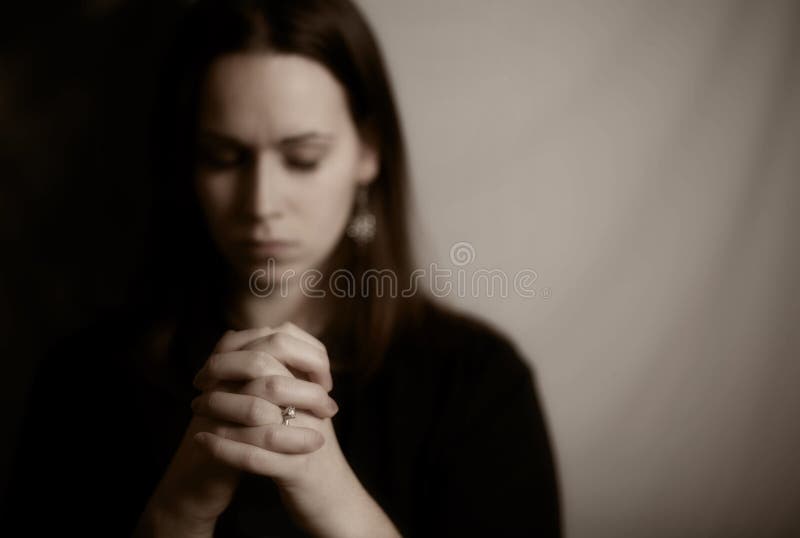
[{"x": 448, "y": 437}]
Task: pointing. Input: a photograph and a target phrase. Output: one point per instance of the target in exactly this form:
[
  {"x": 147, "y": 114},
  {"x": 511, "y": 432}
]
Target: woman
[{"x": 264, "y": 382}]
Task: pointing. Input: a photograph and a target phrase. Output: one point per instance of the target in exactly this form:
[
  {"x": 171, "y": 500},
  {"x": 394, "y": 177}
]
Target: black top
[{"x": 448, "y": 437}]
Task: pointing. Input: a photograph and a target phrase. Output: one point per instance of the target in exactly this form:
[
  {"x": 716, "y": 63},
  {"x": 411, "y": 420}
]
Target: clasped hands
[{"x": 237, "y": 427}]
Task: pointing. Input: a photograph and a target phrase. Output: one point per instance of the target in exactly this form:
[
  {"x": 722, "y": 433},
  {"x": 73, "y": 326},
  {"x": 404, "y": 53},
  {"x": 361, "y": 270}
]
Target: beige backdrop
[{"x": 642, "y": 158}]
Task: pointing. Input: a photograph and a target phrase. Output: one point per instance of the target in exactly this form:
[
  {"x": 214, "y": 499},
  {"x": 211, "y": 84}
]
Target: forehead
[{"x": 260, "y": 97}]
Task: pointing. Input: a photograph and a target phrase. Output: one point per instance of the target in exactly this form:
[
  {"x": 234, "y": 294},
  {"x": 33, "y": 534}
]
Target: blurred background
[{"x": 639, "y": 157}]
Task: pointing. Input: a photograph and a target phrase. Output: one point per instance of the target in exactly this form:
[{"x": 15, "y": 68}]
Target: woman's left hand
[{"x": 319, "y": 488}]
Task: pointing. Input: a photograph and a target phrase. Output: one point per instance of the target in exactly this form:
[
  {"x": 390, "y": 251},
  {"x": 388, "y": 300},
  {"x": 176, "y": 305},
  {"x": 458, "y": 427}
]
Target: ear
[{"x": 368, "y": 164}]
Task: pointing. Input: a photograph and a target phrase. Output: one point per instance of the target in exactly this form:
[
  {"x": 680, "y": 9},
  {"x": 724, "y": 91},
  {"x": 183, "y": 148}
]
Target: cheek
[{"x": 330, "y": 201}]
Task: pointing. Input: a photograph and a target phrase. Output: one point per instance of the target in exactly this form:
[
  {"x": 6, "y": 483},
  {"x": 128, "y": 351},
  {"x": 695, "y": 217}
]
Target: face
[{"x": 279, "y": 161}]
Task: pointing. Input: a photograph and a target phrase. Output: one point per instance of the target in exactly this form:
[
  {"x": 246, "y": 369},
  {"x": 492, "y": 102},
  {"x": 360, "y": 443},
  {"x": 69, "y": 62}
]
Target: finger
[
  {"x": 244, "y": 456},
  {"x": 274, "y": 437},
  {"x": 297, "y": 354},
  {"x": 297, "y": 332},
  {"x": 282, "y": 390},
  {"x": 316, "y": 364},
  {"x": 239, "y": 408},
  {"x": 240, "y": 365},
  {"x": 233, "y": 340}
]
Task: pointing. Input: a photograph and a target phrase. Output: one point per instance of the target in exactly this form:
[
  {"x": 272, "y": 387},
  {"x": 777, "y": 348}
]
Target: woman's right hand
[{"x": 196, "y": 489}]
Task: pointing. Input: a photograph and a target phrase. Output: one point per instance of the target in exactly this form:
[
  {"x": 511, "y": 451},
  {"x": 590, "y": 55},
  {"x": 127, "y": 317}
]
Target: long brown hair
[{"x": 184, "y": 273}]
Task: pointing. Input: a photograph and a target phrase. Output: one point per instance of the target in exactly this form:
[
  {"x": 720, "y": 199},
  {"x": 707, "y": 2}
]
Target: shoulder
[
  {"x": 469, "y": 387},
  {"x": 463, "y": 344}
]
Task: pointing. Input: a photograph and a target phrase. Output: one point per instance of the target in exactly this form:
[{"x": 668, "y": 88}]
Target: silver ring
[{"x": 287, "y": 414}]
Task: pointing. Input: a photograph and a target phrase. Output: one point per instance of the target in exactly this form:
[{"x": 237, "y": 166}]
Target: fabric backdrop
[{"x": 641, "y": 157}]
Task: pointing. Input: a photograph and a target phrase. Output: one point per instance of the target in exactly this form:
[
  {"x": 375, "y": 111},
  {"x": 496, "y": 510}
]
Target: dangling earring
[{"x": 362, "y": 226}]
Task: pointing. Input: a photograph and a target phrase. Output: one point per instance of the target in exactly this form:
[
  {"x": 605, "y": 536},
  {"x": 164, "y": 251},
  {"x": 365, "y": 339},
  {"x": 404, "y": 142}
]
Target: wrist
[
  {"x": 368, "y": 520},
  {"x": 159, "y": 521},
  {"x": 352, "y": 512}
]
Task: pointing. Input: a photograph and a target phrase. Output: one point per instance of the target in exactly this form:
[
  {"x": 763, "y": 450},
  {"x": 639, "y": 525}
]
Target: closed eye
[
  {"x": 304, "y": 157},
  {"x": 302, "y": 165}
]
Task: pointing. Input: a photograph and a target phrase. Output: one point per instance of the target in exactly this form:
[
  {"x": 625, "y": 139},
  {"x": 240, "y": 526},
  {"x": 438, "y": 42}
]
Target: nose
[{"x": 263, "y": 195}]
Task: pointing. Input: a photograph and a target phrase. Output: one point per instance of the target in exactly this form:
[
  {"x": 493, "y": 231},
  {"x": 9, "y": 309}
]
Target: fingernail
[{"x": 334, "y": 406}]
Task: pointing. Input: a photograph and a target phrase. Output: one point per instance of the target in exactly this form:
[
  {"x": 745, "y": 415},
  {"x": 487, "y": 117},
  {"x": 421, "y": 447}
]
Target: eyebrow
[{"x": 308, "y": 136}]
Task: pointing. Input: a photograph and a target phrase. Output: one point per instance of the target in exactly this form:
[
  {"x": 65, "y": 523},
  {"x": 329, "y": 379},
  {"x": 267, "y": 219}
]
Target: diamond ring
[{"x": 287, "y": 414}]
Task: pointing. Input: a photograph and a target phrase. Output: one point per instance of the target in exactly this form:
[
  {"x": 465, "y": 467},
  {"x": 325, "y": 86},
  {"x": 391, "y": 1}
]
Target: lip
[{"x": 267, "y": 248}]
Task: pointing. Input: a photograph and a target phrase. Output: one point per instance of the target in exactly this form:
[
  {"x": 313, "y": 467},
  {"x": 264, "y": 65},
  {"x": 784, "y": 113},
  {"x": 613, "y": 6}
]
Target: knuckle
[
  {"x": 259, "y": 366},
  {"x": 215, "y": 447},
  {"x": 256, "y": 413},
  {"x": 225, "y": 339},
  {"x": 322, "y": 397},
  {"x": 279, "y": 340},
  {"x": 213, "y": 364},
  {"x": 274, "y": 386},
  {"x": 322, "y": 357}
]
